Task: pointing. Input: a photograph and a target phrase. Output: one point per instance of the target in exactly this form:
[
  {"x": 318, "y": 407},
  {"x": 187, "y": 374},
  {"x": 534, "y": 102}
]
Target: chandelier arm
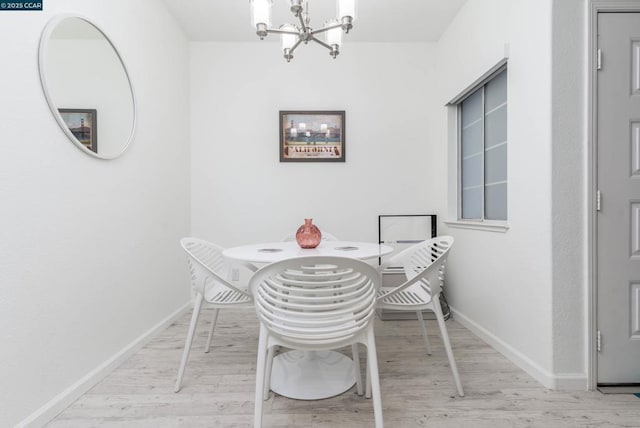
[
  {"x": 278, "y": 31},
  {"x": 296, "y": 44},
  {"x": 302, "y": 23},
  {"x": 323, "y": 29},
  {"x": 315, "y": 39}
]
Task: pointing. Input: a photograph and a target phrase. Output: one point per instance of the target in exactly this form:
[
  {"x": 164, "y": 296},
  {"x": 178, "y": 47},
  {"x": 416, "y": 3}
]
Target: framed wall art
[
  {"x": 83, "y": 124},
  {"x": 312, "y": 136}
]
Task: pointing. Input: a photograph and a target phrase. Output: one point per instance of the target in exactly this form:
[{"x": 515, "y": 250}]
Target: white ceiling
[{"x": 377, "y": 20}]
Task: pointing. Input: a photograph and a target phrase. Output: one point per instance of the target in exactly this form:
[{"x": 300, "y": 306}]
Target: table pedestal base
[{"x": 312, "y": 375}]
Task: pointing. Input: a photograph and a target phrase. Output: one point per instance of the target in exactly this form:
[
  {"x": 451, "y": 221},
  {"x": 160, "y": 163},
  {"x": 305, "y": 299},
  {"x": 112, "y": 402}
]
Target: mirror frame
[{"x": 42, "y": 49}]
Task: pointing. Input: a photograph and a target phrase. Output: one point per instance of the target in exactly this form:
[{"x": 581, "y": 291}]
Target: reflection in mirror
[{"x": 84, "y": 79}]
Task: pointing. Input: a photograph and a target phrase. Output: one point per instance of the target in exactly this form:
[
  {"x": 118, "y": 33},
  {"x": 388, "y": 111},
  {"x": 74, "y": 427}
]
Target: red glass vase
[{"x": 308, "y": 235}]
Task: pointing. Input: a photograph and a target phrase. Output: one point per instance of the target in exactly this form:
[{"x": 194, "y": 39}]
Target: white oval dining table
[{"x": 309, "y": 375}]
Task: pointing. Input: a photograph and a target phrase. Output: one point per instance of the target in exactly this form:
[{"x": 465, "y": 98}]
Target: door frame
[{"x": 595, "y": 7}]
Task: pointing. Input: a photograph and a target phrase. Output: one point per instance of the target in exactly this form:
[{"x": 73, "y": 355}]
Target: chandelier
[{"x": 293, "y": 35}]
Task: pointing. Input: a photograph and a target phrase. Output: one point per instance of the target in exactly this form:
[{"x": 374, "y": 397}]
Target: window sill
[{"x": 501, "y": 227}]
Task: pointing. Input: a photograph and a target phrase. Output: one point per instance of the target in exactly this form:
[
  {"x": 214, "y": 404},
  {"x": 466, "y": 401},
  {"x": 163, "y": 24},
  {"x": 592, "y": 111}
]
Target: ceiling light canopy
[{"x": 293, "y": 35}]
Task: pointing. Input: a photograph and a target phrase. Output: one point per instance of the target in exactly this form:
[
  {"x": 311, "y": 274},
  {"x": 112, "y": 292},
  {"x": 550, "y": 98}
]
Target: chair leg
[
  {"x": 187, "y": 347},
  {"x": 374, "y": 379},
  {"x": 423, "y": 325},
  {"x": 447, "y": 344},
  {"x": 367, "y": 394},
  {"x": 260, "y": 377},
  {"x": 214, "y": 319},
  {"x": 267, "y": 377},
  {"x": 356, "y": 365}
]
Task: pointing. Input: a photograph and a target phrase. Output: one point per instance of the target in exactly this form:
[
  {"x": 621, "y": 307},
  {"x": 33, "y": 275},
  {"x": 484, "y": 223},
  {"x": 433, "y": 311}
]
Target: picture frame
[
  {"x": 83, "y": 124},
  {"x": 312, "y": 136}
]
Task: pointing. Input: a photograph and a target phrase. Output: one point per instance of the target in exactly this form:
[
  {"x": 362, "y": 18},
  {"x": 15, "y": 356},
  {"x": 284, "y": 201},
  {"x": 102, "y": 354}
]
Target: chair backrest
[
  {"x": 315, "y": 302},
  {"x": 326, "y": 236},
  {"x": 423, "y": 264},
  {"x": 207, "y": 266}
]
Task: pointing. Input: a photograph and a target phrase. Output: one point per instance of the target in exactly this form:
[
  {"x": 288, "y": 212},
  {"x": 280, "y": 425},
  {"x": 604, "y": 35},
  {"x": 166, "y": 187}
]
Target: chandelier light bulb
[
  {"x": 288, "y": 40},
  {"x": 347, "y": 13},
  {"x": 296, "y": 7},
  {"x": 261, "y": 16},
  {"x": 334, "y": 37},
  {"x": 261, "y": 12},
  {"x": 347, "y": 8}
]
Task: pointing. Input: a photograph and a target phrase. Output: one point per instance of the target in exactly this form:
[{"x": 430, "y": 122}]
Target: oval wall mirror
[{"x": 87, "y": 86}]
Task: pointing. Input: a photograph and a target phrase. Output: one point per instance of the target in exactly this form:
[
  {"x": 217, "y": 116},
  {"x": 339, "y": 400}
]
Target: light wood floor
[{"x": 417, "y": 390}]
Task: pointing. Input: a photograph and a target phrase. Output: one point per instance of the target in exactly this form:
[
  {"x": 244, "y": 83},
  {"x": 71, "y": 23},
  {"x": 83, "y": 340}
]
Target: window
[{"x": 482, "y": 138}]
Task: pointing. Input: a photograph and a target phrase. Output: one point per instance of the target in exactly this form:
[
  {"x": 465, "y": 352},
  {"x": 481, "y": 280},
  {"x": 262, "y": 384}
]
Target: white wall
[
  {"x": 500, "y": 284},
  {"x": 569, "y": 191},
  {"x": 89, "y": 254},
  {"x": 241, "y": 193}
]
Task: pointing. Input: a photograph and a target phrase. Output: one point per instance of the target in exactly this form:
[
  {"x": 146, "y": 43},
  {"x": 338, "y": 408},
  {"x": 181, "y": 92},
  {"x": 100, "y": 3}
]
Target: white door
[{"x": 618, "y": 179}]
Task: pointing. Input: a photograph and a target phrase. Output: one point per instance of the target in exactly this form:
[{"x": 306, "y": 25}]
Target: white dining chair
[
  {"x": 326, "y": 236},
  {"x": 424, "y": 267},
  {"x": 315, "y": 304},
  {"x": 210, "y": 282}
]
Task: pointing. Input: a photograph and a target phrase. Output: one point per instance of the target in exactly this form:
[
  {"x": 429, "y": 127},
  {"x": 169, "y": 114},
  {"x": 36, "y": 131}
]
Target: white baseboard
[
  {"x": 561, "y": 381},
  {"x": 61, "y": 401},
  {"x": 571, "y": 382}
]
